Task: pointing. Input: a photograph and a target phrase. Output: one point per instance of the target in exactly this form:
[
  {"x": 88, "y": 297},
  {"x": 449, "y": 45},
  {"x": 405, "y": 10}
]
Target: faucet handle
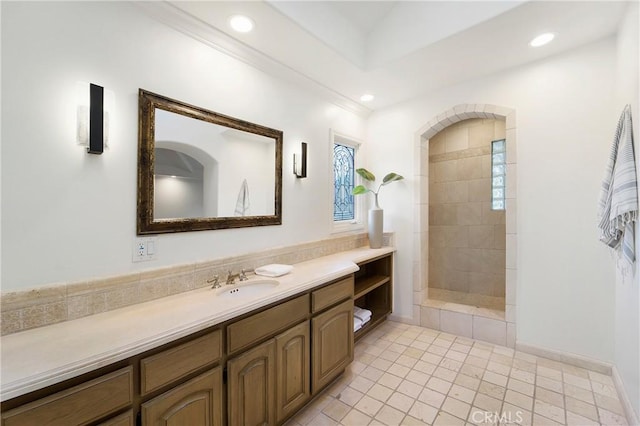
[
  {"x": 216, "y": 282},
  {"x": 243, "y": 275},
  {"x": 231, "y": 277}
]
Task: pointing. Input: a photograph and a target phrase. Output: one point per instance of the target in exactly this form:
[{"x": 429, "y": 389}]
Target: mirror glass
[{"x": 202, "y": 170}]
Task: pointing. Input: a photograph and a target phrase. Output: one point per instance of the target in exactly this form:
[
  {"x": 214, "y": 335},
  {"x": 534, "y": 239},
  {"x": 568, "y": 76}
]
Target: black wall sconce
[
  {"x": 94, "y": 107},
  {"x": 300, "y": 161}
]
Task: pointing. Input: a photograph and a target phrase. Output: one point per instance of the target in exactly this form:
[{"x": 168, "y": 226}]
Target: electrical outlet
[{"x": 144, "y": 249}]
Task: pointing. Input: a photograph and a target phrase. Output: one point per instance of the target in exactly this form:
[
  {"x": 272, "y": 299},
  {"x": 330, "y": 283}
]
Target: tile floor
[{"x": 410, "y": 375}]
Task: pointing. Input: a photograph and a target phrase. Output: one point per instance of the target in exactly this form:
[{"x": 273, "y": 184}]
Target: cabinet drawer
[
  {"x": 332, "y": 294},
  {"x": 79, "y": 405},
  {"x": 126, "y": 419},
  {"x": 163, "y": 368},
  {"x": 246, "y": 332}
]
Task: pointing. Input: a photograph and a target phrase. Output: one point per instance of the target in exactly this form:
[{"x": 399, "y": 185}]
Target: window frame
[{"x": 357, "y": 223}]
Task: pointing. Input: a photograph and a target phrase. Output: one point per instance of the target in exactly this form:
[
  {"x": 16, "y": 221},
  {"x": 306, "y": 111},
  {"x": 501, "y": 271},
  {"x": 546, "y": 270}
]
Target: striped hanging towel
[{"x": 618, "y": 204}]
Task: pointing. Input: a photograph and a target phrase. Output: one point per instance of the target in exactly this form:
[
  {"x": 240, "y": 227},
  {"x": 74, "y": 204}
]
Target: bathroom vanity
[{"x": 195, "y": 359}]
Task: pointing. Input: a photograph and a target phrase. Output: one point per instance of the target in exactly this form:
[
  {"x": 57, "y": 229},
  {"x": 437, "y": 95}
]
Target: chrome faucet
[
  {"x": 216, "y": 282},
  {"x": 231, "y": 278}
]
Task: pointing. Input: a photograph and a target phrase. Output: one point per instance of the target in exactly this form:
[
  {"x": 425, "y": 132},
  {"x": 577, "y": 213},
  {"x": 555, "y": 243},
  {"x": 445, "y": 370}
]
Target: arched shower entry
[{"x": 446, "y": 308}]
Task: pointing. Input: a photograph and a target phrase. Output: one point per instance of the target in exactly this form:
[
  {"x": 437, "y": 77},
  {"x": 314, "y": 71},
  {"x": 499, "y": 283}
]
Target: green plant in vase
[{"x": 375, "y": 213}]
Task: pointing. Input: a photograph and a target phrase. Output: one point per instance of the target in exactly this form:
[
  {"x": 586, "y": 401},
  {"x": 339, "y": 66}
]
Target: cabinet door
[
  {"x": 197, "y": 402},
  {"x": 251, "y": 387},
  {"x": 332, "y": 343},
  {"x": 292, "y": 370}
]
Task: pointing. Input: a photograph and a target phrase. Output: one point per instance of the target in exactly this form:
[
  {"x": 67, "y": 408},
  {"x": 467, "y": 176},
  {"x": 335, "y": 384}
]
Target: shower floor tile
[
  {"x": 484, "y": 384},
  {"x": 466, "y": 303}
]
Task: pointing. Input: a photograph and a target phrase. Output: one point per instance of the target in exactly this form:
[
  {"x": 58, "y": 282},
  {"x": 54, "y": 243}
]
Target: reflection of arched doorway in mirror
[{"x": 185, "y": 181}]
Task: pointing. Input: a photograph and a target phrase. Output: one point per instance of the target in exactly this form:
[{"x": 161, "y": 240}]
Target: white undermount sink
[{"x": 249, "y": 289}]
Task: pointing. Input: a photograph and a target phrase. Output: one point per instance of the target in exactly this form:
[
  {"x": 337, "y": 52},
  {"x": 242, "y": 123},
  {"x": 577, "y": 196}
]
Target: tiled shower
[{"x": 466, "y": 235}]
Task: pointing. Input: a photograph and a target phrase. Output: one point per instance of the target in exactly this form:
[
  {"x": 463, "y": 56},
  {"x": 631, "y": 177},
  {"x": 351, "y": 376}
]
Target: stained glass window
[
  {"x": 343, "y": 182},
  {"x": 498, "y": 174}
]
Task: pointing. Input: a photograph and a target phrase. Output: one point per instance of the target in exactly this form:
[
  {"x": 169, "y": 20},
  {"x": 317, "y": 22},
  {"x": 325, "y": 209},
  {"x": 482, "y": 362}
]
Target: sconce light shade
[
  {"x": 300, "y": 161},
  {"x": 94, "y": 110}
]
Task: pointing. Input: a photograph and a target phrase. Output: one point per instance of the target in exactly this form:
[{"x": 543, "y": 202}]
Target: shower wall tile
[
  {"x": 458, "y": 281},
  {"x": 481, "y": 236},
  {"x": 481, "y": 131},
  {"x": 446, "y": 171},
  {"x": 456, "y": 192},
  {"x": 469, "y": 168},
  {"x": 456, "y": 139},
  {"x": 480, "y": 190},
  {"x": 469, "y": 214},
  {"x": 456, "y": 236},
  {"x": 499, "y": 237},
  {"x": 436, "y": 144},
  {"x": 438, "y": 236},
  {"x": 482, "y": 283},
  {"x": 467, "y": 234}
]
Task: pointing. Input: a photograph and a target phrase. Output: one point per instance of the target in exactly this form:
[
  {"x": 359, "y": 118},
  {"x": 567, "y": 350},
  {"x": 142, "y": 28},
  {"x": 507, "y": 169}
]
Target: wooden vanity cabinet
[
  {"x": 293, "y": 363},
  {"x": 251, "y": 386},
  {"x": 196, "y": 402},
  {"x": 82, "y": 404},
  {"x": 258, "y": 369},
  {"x": 332, "y": 344},
  {"x": 374, "y": 290},
  {"x": 199, "y": 401},
  {"x": 267, "y": 383}
]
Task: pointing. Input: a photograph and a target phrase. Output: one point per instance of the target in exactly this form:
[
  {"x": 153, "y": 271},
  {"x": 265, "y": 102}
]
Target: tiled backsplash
[{"x": 23, "y": 310}]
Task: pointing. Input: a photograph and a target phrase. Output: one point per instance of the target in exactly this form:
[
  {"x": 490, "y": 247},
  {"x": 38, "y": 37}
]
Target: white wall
[
  {"x": 564, "y": 118},
  {"x": 627, "y": 302},
  {"x": 69, "y": 216}
]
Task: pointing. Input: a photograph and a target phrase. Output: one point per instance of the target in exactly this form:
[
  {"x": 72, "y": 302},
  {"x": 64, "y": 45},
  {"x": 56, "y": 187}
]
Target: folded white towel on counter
[
  {"x": 357, "y": 324},
  {"x": 363, "y": 314},
  {"x": 273, "y": 270}
]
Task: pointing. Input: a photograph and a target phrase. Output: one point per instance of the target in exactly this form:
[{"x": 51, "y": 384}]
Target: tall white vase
[{"x": 375, "y": 226}]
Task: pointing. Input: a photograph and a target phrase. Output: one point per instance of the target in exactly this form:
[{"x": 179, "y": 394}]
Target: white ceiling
[{"x": 396, "y": 50}]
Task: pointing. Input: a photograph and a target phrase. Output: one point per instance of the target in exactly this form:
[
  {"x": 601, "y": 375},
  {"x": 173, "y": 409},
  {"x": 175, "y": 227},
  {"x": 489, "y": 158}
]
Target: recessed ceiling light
[
  {"x": 542, "y": 39},
  {"x": 241, "y": 23},
  {"x": 366, "y": 97}
]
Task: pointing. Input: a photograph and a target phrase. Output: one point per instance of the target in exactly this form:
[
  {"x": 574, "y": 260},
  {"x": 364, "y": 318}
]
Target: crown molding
[{"x": 199, "y": 30}]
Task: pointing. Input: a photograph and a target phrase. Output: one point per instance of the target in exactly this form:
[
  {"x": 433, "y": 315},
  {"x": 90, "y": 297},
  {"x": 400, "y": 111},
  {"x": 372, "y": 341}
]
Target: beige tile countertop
[{"x": 40, "y": 357}]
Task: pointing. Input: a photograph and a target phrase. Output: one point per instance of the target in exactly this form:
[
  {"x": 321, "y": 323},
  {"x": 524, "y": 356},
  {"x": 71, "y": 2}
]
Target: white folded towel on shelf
[
  {"x": 357, "y": 324},
  {"x": 273, "y": 270},
  {"x": 363, "y": 314}
]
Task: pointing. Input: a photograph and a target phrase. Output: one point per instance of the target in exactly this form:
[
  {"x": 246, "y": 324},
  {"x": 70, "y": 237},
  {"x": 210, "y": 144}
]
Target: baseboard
[
  {"x": 589, "y": 364},
  {"x": 632, "y": 416},
  {"x": 567, "y": 358}
]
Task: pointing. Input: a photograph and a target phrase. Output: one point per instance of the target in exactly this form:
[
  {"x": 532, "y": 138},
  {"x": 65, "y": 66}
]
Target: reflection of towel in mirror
[{"x": 242, "y": 205}]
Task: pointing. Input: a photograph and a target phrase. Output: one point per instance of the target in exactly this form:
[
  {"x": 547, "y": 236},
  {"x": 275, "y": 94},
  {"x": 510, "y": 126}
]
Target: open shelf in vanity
[{"x": 373, "y": 285}]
